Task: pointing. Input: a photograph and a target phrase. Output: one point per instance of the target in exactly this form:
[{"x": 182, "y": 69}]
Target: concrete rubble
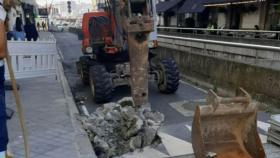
[
  {"x": 273, "y": 135},
  {"x": 119, "y": 128}
]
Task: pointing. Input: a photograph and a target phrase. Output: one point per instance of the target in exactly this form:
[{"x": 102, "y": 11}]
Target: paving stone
[
  {"x": 61, "y": 152},
  {"x": 43, "y": 156},
  {"x": 51, "y": 134}
]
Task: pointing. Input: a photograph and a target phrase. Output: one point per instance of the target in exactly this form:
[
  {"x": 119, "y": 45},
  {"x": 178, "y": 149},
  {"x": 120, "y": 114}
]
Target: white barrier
[{"x": 33, "y": 58}]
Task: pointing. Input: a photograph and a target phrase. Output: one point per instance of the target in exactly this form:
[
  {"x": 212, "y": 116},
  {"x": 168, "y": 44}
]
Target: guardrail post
[
  {"x": 257, "y": 56},
  {"x": 204, "y": 47}
]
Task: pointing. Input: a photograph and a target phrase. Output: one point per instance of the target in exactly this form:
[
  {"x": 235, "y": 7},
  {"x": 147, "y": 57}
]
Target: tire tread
[{"x": 103, "y": 83}]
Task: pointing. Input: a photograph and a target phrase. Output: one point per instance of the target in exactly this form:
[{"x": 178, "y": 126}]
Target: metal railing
[
  {"x": 250, "y": 54},
  {"x": 224, "y": 32},
  {"x": 243, "y": 45}
]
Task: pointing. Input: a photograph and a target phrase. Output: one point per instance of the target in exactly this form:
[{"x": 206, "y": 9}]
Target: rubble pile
[{"x": 118, "y": 128}]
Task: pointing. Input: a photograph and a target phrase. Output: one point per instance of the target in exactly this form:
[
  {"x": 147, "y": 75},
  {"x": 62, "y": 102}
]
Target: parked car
[
  {"x": 60, "y": 28},
  {"x": 65, "y": 26}
]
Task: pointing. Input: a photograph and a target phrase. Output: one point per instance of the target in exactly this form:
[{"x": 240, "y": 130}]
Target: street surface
[{"x": 178, "y": 108}]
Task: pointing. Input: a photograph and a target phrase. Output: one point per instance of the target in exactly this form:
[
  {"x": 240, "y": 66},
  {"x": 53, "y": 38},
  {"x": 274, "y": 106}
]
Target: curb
[{"x": 82, "y": 142}]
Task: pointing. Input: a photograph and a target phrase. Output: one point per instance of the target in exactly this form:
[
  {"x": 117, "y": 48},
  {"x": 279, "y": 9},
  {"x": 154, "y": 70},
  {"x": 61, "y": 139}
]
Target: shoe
[{"x": 8, "y": 155}]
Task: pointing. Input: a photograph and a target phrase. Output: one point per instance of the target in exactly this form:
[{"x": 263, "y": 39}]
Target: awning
[
  {"x": 227, "y": 2},
  {"x": 192, "y": 6},
  {"x": 167, "y": 5}
]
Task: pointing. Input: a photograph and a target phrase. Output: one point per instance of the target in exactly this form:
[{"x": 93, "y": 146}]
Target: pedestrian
[
  {"x": 257, "y": 34},
  {"x": 30, "y": 31},
  {"x": 43, "y": 25},
  {"x": 3, "y": 53},
  {"x": 38, "y": 26},
  {"x": 18, "y": 30},
  {"x": 9, "y": 31}
]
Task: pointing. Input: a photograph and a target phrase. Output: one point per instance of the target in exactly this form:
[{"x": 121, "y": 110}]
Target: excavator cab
[
  {"x": 96, "y": 26},
  {"x": 226, "y": 128},
  {"x": 99, "y": 28}
]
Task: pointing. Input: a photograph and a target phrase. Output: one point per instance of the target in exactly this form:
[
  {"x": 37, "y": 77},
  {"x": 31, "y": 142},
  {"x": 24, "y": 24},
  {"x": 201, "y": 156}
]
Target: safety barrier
[{"x": 34, "y": 58}]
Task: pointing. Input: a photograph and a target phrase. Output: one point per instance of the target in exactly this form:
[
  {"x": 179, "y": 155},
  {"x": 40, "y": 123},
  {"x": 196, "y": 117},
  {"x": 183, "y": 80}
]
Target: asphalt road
[{"x": 177, "y": 124}]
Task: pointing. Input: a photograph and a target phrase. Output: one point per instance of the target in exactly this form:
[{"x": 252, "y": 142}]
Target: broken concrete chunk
[
  {"x": 118, "y": 128},
  {"x": 135, "y": 143},
  {"x": 101, "y": 143},
  {"x": 156, "y": 117},
  {"x": 126, "y": 101}
]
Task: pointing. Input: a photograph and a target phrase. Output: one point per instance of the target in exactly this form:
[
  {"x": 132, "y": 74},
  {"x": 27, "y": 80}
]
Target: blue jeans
[
  {"x": 3, "y": 116},
  {"x": 19, "y": 36}
]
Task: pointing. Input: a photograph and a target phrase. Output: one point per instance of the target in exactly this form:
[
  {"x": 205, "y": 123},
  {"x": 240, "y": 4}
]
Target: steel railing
[
  {"x": 225, "y": 32},
  {"x": 234, "y": 44},
  {"x": 256, "y": 55}
]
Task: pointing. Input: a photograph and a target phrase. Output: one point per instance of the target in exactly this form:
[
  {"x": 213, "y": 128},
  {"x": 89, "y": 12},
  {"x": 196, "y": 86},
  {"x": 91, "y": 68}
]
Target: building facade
[{"x": 230, "y": 14}]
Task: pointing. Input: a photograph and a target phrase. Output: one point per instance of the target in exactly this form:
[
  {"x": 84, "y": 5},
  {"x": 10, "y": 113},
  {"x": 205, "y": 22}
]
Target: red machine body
[{"x": 103, "y": 26}]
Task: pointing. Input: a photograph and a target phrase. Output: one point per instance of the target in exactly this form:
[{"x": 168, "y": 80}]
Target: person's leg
[
  {"x": 3, "y": 116},
  {"x": 22, "y": 36},
  {"x": 16, "y": 36}
]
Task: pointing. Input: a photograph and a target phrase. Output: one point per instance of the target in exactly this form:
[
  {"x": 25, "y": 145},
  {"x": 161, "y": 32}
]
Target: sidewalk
[{"x": 48, "y": 117}]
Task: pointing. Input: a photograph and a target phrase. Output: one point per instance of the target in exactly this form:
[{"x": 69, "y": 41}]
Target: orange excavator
[{"x": 118, "y": 43}]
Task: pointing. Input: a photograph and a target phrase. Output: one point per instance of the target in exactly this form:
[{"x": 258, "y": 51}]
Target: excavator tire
[
  {"x": 168, "y": 76},
  {"x": 82, "y": 67},
  {"x": 100, "y": 83}
]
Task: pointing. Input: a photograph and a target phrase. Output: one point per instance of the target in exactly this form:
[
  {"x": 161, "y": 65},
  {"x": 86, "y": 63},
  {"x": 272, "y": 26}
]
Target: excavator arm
[{"x": 134, "y": 22}]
